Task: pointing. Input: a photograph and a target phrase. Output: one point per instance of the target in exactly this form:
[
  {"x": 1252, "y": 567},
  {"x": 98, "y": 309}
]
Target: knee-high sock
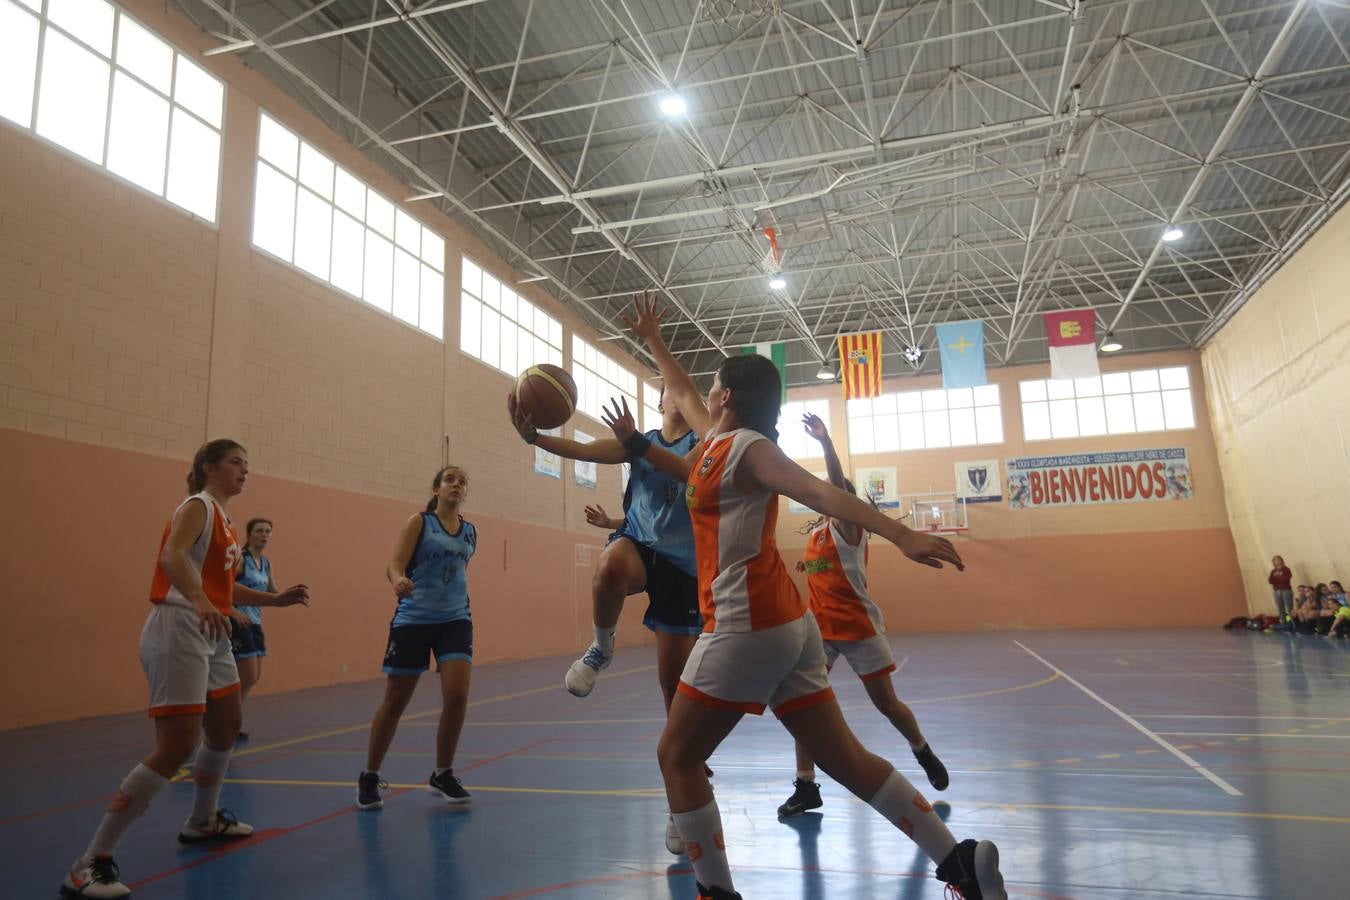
[
  {"x": 208, "y": 772},
  {"x": 701, "y": 831},
  {"x": 905, "y": 808},
  {"x": 132, "y": 798}
]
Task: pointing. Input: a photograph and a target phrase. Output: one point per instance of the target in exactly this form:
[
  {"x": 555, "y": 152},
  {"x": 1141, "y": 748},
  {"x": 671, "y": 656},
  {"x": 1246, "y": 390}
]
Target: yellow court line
[
  {"x": 648, "y": 793},
  {"x": 1007, "y": 690},
  {"x": 432, "y": 712}
]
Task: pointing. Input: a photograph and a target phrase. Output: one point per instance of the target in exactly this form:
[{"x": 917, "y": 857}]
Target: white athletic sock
[
  {"x": 132, "y": 798},
  {"x": 905, "y": 808},
  {"x": 701, "y": 831},
  {"x": 807, "y": 776},
  {"x": 604, "y": 638},
  {"x": 208, "y": 774}
]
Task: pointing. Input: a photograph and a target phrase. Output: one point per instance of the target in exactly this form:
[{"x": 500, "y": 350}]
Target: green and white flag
[{"x": 777, "y": 354}]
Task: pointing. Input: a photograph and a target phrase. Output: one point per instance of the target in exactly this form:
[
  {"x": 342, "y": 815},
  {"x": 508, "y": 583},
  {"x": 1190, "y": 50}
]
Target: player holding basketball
[
  {"x": 653, "y": 549},
  {"x": 428, "y": 573},
  {"x": 194, "y": 685},
  {"x": 759, "y": 647},
  {"x": 851, "y": 626}
]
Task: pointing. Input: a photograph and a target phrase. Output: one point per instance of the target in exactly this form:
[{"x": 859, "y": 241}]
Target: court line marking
[
  {"x": 972, "y": 805},
  {"x": 1006, "y": 690},
  {"x": 422, "y": 715},
  {"x": 1261, "y": 734},
  {"x": 1136, "y": 724},
  {"x": 1328, "y": 719}
]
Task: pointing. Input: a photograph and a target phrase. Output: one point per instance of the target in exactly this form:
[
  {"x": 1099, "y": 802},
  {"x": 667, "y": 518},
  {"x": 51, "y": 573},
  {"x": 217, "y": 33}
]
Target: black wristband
[
  {"x": 637, "y": 444},
  {"x": 532, "y": 436}
]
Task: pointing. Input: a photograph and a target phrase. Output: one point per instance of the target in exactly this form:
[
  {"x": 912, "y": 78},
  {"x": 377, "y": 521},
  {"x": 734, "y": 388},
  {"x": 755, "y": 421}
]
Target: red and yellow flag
[{"x": 860, "y": 364}]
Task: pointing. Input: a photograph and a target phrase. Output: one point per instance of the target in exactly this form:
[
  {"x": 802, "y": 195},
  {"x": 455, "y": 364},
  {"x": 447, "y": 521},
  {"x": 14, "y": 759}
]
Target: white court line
[
  {"x": 1266, "y": 734},
  {"x": 1345, "y": 717},
  {"x": 1142, "y": 729}
]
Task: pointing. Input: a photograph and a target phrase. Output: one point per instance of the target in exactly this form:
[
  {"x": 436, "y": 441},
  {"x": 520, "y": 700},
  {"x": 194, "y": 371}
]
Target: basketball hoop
[
  {"x": 734, "y": 13},
  {"x": 772, "y": 263}
]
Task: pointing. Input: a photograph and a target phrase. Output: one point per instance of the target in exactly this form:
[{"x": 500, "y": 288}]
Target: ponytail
[{"x": 210, "y": 453}]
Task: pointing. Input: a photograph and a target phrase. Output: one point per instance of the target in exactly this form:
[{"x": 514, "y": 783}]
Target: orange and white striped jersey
[
  {"x": 836, "y": 577},
  {"x": 742, "y": 582},
  {"x": 214, "y": 555}
]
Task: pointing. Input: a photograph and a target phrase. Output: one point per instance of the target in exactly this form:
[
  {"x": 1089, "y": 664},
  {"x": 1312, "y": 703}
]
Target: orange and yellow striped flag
[{"x": 860, "y": 364}]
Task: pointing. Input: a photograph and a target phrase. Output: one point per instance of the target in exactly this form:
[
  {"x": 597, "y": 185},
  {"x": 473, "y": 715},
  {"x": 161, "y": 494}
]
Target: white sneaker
[
  {"x": 674, "y": 843},
  {"x": 582, "y": 675},
  {"x": 223, "y": 826},
  {"x": 96, "y": 877}
]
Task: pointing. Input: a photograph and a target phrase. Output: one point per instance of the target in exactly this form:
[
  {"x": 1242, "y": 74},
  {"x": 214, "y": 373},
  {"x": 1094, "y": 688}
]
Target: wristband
[
  {"x": 532, "y": 436},
  {"x": 637, "y": 444}
]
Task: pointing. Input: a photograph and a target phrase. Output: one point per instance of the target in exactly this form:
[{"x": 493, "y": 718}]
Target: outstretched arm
[
  {"x": 766, "y": 467},
  {"x": 816, "y": 428},
  {"x": 680, "y": 388},
  {"x": 620, "y": 421},
  {"x": 607, "y": 451}
]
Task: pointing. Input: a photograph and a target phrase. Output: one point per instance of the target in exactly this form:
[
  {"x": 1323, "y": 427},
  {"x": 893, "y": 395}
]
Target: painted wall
[
  {"x": 1277, "y": 375},
  {"x": 1117, "y": 565}
]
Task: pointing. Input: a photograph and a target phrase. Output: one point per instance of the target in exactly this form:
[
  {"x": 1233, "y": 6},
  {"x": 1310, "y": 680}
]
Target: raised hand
[
  {"x": 295, "y": 594},
  {"x": 596, "y": 515},
  {"x": 520, "y": 420},
  {"x": 815, "y": 427},
  {"x": 930, "y": 550},
  {"x": 619, "y": 419},
  {"x": 647, "y": 325}
]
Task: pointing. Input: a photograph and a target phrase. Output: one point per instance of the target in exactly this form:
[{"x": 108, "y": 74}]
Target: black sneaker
[
  {"x": 971, "y": 871},
  {"x": 806, "y": 795},
  {"x": 368, "y": 787},
  {"x": 447, "y": 787},
  {"x": 716, "y": 893},
  {"x": 933, "y": 768}
]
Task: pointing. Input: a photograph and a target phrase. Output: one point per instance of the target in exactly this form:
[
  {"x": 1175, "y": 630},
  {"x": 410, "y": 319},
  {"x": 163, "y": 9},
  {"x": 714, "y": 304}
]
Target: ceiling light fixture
[
  {"x": 1111, "y": 345},
  {"x": 825, "y": 373},
  {"x": 673, "y": 105},
  {"x": 1173, "y": 234},
  {"x": 777, "y": 283}
]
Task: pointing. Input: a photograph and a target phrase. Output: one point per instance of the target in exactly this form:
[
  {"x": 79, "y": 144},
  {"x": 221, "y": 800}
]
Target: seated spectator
[
  {"x": 1306, "y": 609},
  {"x": 1340, "y": 622}
]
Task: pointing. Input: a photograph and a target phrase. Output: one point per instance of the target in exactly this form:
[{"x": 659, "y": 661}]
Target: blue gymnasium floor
[{"x": 568, "y": 801}]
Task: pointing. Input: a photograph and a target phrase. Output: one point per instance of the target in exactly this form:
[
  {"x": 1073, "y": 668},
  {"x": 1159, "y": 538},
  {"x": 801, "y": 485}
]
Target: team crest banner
[
  {"x": 978, "y": 481},
  {"x": 1130, "y": 476},
  {"x": 860, "y": 364}
]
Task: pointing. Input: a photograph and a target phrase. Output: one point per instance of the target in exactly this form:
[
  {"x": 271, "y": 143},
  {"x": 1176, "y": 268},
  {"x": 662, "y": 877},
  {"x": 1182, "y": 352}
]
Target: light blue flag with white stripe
[{"x": 961, "y": 348}]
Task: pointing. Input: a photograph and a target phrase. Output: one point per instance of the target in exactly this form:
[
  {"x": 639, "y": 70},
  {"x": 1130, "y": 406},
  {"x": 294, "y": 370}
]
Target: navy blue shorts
[
  {"x": 411, "y": 647},
  {"x": 672, "y": 593},
  {"x": 247, "y": 643}
]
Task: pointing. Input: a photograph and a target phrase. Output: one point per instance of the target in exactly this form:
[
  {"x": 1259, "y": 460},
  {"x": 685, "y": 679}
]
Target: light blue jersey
[
  {"x": 437, "y": 569},
  {"x": 655, "y": 514},
  {"x": 256, "y": 576}
]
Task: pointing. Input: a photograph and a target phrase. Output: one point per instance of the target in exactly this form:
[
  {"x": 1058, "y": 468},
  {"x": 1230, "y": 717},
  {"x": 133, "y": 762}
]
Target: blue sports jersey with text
[
  {"x": 437, "y": 569},
  {"x": 656, "y": 515},
  {"x": 256, "y": 576}
]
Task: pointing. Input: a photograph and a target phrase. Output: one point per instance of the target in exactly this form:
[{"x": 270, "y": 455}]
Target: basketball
[{"x": 547, "y": 394}]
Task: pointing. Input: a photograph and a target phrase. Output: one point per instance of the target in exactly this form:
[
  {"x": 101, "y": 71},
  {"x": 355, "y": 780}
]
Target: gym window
[
  {"x": 792, "y": 436},
  {"x": 1114, "y": 403},
  {"x": 88, "y": 77},
  {"x": 599, "y": 379},
  {"x": 319, "y": 217},
  {"x": 501, "y": 328},
  {"x": 920, "y": 420}
]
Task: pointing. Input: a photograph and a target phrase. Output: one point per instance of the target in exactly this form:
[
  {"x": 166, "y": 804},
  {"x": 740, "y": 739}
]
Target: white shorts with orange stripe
[
  {"x": 183, "y": 666},
  {"x": 869, "y": 658},
  {"x": 782, "y": 667}
]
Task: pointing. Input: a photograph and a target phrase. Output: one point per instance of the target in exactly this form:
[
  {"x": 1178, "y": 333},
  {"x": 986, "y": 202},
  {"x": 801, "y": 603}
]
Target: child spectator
[{"x": 1284, "y": 597}]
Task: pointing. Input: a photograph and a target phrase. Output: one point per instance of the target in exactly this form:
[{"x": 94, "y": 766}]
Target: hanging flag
[
  {"x": 777, "y": 354},
  {"x": 961, "y": 347},
  {"x": 860, "y": 364},
  {"x": 1073, "y": 343}
]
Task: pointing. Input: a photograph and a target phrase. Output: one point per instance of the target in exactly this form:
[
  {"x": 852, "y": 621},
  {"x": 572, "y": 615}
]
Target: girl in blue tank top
[{"x": 431, "y": 621}]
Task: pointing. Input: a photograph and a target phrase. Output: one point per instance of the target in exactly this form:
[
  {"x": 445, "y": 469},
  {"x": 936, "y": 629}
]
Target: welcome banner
[{"x": 1130, "y": 476}]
